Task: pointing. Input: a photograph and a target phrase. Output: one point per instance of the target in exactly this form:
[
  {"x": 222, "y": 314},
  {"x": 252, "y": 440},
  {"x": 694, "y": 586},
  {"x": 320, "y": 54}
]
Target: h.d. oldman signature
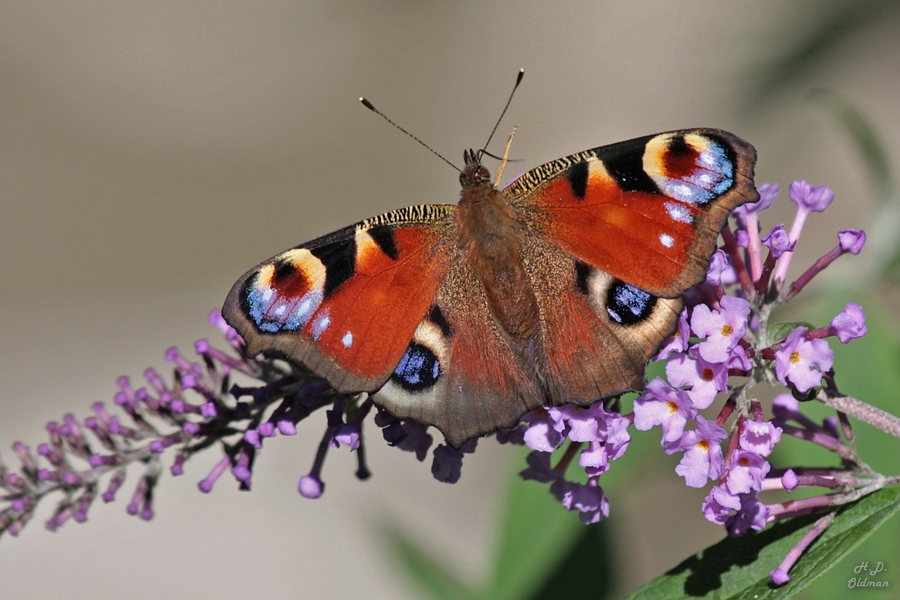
[{"x": 863, "y": 567}]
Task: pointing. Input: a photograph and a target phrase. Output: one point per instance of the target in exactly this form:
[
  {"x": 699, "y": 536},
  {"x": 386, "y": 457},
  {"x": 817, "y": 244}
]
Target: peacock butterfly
[{"x": 556, "y": 289}]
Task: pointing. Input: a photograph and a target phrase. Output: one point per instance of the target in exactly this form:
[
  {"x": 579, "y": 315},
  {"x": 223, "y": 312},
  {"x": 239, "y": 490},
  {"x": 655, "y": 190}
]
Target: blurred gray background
[{"x": 152, "y": 152}]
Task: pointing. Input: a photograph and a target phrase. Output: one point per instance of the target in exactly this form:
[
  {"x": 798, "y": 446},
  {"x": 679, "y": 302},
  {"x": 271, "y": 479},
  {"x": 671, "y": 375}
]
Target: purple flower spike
[
  {"x": 311, "y": 487},
  {"x": 850, "y": 323},
  {"x": 797, "y": 359},
  {"x": 852, "y": 240},
  {"x": 723, "y": 329}
]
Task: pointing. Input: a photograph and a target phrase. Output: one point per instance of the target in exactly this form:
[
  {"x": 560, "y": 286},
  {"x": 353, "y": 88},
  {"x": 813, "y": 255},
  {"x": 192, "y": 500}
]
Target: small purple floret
[
  {"x": 802, "y": 361},
  {"x": 778, "y": 242},
  {"x": 663, "y": 405},
  {"x": 809, "y": 197},
  {"x": 447, "y": 464},
  {"x": 310, "y": 487},
  {"x": 759, "y": 437},
  {"x": 723, "y": 328},
  {"x": 703, "y": 459},
  {"x": 852, "y": 240},
  {"x": 545, "y": 430},
  {"x": 850, "y": 323},
  {"x": 789, "y": 480},
  {"x": 251, "y": 436},
  {"x": 286, "y": 427}
]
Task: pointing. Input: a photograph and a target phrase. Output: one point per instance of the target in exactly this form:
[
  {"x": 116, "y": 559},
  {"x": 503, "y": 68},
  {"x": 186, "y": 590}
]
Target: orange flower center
[
  {"x": 727, "y": 330},
  {"x": 795, "y": 357}
]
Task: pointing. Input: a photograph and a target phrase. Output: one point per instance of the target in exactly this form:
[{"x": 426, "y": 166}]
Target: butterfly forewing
[
  {"x": 346, "y": 304},
  {"x": 646, "y": 211}
]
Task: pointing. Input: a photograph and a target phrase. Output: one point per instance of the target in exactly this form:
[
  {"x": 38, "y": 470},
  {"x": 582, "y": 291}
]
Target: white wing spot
[
  {"x": 320, "y": 325},
  {"x": 347, "y": 340},
  {"x": 679, "y": 212},
  {"x": 666, "y": 240}
]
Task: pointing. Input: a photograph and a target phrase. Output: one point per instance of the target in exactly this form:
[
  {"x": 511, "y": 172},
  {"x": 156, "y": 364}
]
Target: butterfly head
[{"x": 473, "y": 174}]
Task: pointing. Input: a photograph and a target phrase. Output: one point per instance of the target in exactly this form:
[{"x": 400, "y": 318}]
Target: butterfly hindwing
[
  {"x": 647, "y": 211},
  {"x": 346, "y": 304},
  {"x": 596, "y": 332},
  {"x": 461, "y": 371}
]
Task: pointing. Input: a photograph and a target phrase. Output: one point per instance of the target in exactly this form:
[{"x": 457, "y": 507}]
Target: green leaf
[
  {"x": 869, "y": 369},
  {"x": 586, "y": 572},
  {"x": 535, "y": 534},
  {"x": 425, "y": 570},
  {"x": 864, "y": 135},
  {"x": 810, "y": 42},
  {"x": 739, "y": 567},
  {"x": 780, "y": 331}
]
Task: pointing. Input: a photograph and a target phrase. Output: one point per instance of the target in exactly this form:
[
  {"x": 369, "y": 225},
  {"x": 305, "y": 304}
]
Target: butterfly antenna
[
  {"x": 497, "y": 124},
  {"x": 371, "y": 107},
  {"x": 505, "y": 159}
]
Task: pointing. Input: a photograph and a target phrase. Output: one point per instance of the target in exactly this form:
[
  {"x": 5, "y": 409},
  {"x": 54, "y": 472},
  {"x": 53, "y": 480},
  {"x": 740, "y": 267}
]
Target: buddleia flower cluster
[{"x": 724, "y": 346}]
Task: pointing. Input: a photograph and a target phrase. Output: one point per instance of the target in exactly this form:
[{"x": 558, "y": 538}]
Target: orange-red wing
[
  {"x": 647, "y": 211},
  {"x": 347, "y": 304}
]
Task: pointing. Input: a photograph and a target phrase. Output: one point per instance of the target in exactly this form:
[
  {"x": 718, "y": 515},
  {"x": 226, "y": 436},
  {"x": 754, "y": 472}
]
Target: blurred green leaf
[
  {"x": 535, "y": 534},
  {"x": 739, "y": 567},
  {"x": 805, "y": 51},
  {"x": 586, "y": 571},
  {"x": 425, "y": 570},
  {"x": 869, "y": 369},
  {"x": 864, "y": 135}
]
